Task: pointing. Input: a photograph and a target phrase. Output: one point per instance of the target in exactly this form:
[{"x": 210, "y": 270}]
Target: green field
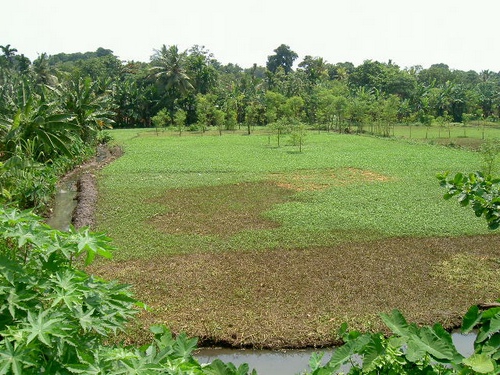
[
  {"x": 360, "y": 186},
  {"x": 234, "y": 239}
]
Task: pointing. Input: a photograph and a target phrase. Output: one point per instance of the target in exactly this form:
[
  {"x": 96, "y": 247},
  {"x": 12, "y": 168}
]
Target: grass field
[{"x": 238, "y": 241}]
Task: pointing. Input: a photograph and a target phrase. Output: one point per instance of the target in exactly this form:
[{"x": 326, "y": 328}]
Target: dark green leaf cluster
[
  {"x": 480, "y": 191},
  {"x": 55, "y": 318},
  {"x": 417, "y": 350}
]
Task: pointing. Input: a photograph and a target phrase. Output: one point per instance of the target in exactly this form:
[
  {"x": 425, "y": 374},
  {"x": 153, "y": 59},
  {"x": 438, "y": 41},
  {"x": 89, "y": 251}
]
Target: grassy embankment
[{"x": 235, "y": 240}]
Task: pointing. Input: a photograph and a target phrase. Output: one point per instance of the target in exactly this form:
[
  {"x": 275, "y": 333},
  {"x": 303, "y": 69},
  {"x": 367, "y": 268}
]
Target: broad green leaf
[
  {"x": 373, "y": 350},
  {"x": 184, "y": 345},
  {"x": 315, "y": 361},
  {"x": 217, "y": 367},
  {"x": 492, "y": 346},
  {"x": 341, "y": 355},
  {"x": 396, "y": 322},
  {"x": 480, "y": 363},
  {"x": 471, "y": 319},
  {"x": 414, "y": 351},
  {"x": 490, "y": 313},
  {"x": 437, "y": 347}
]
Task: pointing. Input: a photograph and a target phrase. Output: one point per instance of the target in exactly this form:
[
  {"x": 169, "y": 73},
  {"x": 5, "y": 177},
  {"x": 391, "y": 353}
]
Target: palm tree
[
  {"x": 43, "y": 72},
  {"x": 8, "y": 55},
  {"x": 169, "y": 68}
]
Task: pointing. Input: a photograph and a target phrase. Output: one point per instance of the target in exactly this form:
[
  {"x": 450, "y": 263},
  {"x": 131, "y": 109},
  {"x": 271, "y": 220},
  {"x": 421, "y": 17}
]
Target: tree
[
  {"x": 200, "y": 69},
  {"x": 43, "y": 72},
  {"x": 39, "y": 130},
  {"x": 161, "y": 120},
  {"x": 283, "y": 57},
  {"x": 7, "y": 59},
  {"x": 180, "y": 120},
  {"x": 169, "y": 70},
  {"x": 315, "y": 69},
  {"x": 168, "y": 66},
  {"x": 298, "y": 134},
  {"x": 293, "y": 108},
  {"x": 91, "y": 104},
  {"x": 274, "y": 102}
]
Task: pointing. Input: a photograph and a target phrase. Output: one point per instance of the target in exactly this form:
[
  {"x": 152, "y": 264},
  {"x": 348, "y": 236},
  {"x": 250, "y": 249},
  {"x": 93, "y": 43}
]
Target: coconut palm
[{"x": 169, "y": 68}]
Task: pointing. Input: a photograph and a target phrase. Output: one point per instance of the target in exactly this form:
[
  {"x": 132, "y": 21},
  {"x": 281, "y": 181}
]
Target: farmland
[{"x": 238, "y": 241}]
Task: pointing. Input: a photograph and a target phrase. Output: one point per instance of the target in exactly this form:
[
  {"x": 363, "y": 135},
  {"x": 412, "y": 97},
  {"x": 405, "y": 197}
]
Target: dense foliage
[
  {"x": 48, "y": 124},
  {"x": 56, "y": 318},
  {"x": 417, "y": 350},
  {"x": 52, "y": 109},
  {"x": 313, "y": 91}
]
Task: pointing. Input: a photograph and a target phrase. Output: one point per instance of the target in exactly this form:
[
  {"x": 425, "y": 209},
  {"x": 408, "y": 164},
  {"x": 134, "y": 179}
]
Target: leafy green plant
[
  {"x": 26, "y": 183},
  {"x": 298, "y": 135},
  {"x": 55, "y": 318},
  {"x": 482, "y": 192},
  {"x": 489, "y": 152},
  {"x": 417, "y": 350}
]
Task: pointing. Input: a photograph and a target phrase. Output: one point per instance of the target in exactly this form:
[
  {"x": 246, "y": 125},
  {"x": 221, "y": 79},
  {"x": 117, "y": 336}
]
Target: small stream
[
  {"x": 291, "y": 362},
  {"x": 265, "y": 362}
]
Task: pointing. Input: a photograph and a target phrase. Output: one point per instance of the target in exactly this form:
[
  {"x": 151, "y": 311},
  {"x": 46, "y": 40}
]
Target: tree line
[
  {"x": 52, "y": 109},
  {"x": 199, "y": 91}
]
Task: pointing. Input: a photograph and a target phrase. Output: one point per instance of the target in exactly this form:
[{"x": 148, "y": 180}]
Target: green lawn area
[
  {"x": 235, "y": 240},
  {"x": 342, "y": 187}
]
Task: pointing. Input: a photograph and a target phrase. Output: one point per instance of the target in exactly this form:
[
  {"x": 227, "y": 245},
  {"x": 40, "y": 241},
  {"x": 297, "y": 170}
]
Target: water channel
[
  {"x": 64, "y": 205},
  {"x": 265, "y": 362},
  {"x": 292, "y": 362}
]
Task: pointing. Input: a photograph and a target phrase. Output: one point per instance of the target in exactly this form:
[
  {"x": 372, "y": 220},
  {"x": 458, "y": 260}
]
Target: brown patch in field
[
  {"x": 313, "y": 180},
  {"x": 212, "y": 210},
  {"x": 299, "y": 298}
]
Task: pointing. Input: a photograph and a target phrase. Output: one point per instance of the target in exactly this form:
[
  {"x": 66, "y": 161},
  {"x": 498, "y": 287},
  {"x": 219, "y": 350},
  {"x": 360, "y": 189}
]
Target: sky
[{"x": 464, "y": 34}]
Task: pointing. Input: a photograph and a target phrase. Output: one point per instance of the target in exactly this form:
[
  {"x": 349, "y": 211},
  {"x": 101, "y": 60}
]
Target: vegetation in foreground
[{"x": 49, "y": 303}]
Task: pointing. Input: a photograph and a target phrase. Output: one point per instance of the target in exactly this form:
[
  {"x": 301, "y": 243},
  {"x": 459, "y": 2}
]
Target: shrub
[{"x": 55, "y": 318}]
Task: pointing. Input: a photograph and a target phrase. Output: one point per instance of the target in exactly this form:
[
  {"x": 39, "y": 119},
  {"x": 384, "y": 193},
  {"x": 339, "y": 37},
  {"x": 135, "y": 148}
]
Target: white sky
[{"x": 461, "y": 33}]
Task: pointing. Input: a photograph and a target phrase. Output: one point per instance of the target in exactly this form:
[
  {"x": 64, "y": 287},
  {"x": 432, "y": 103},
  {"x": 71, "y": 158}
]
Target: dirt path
[{"x": 87, "y": 185}]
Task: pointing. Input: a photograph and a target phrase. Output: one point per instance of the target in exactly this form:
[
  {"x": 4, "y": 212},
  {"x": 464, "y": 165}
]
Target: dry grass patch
[
  {"x": 299, "y": 298},
  {"x": 219, "y": 210},
  {"x": 313, "y": 179}
]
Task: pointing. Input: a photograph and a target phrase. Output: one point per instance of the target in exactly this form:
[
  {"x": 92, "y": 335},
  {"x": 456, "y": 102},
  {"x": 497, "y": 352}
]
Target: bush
[{"x": 55, "y": 318}]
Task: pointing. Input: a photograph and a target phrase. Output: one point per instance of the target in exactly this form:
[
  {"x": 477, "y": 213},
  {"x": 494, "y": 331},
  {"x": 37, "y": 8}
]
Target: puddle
[
  {"x": 64, "y": 205},
  {"x": 292, "y": 362}
]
